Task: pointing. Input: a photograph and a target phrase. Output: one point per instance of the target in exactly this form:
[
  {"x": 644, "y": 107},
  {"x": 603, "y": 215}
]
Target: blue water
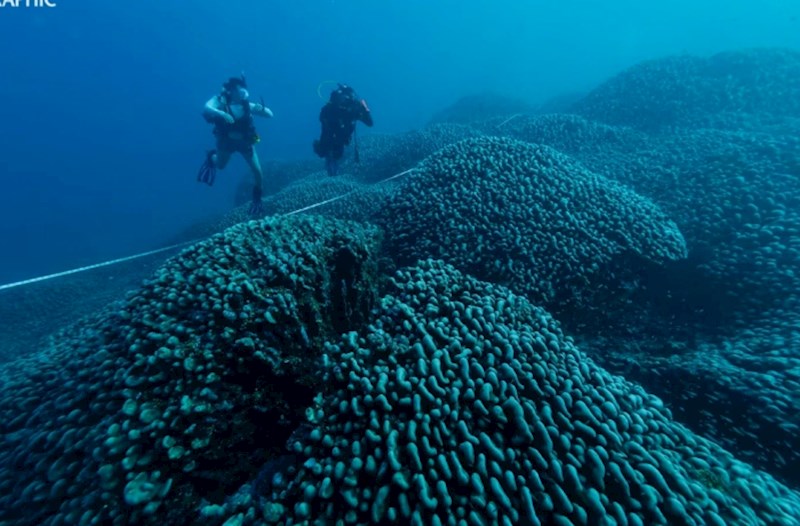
[{"x": 100, "y": 127}]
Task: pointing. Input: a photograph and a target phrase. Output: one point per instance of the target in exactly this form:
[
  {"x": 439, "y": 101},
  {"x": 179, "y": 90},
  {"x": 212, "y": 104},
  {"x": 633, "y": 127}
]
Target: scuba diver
[
  {"x": 338, "y": 118},
  {"x": 231, "y": 112}
]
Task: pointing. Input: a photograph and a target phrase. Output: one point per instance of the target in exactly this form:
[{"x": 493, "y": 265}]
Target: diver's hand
[
  {"x": 262, "y": 110},
  {"x": 228, "y": 118}
]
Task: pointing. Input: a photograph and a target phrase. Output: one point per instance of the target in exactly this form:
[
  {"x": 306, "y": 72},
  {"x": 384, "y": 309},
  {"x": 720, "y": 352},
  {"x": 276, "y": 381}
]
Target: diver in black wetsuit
[{"x": 338, "y": 118}]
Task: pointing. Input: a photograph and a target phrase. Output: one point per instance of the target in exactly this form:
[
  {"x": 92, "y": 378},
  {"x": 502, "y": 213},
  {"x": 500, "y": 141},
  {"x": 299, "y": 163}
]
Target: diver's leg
[
  {"x": 324, "y": 148},
  {"x": 255, "y": 165},
  {"x": 319, "y": 147},
  {"x": 221, "y": 158},
  {"x": 330, "y": 165},
  {"x": 251, "y": 157},
  {"x": 337, "y": 152}
]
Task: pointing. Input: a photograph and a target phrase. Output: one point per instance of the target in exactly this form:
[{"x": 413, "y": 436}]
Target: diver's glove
[{"x": 256, "y": 207}]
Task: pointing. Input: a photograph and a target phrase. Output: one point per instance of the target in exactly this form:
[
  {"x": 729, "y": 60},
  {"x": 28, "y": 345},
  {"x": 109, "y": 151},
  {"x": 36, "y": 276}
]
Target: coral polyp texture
[
  {"x": 199, "y": 377},
  {"x": 382, "y": 156},
  {"x": 464, "y": 404},
  {"x": 524, "y": 215},
  {"x": 697, "y": 91},
  {"x": 482, "y": 107}
]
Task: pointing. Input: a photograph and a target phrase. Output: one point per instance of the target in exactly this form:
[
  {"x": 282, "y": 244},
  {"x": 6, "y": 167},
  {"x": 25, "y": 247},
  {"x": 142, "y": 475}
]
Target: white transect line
[
  {"x": 509, "y": 120},
  {"x": 172, "y": 247},
  {"x": 92, "y": 267},
  {"x": 351, "y": 192}
]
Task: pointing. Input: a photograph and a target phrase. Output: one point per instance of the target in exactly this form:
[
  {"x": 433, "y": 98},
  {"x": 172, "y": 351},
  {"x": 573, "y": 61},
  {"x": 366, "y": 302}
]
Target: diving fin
[{"x": 208, "y": 170}]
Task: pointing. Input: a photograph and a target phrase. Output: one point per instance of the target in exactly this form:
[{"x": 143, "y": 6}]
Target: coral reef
[
  {"x": 445, "y": 348},
  {"x": 464, "y": 404},
  {"x": 690, "y": 91},
  {"x": 524, "y": 215},
  {"x": 201, "y": 376},
  {"x": 481, "y": 107}
]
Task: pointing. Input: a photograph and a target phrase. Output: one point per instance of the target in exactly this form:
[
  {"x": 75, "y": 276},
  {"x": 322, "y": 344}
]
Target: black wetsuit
[{"x": 338, "y": 121}]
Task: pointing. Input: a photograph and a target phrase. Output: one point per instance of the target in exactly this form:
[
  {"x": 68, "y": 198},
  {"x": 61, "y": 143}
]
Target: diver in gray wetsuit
[{"x": 231, "y": 112}]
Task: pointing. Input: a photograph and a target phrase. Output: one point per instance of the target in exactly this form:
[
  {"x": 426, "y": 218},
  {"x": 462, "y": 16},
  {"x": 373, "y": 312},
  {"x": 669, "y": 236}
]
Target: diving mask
[{"x": 241, "y": 94}]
